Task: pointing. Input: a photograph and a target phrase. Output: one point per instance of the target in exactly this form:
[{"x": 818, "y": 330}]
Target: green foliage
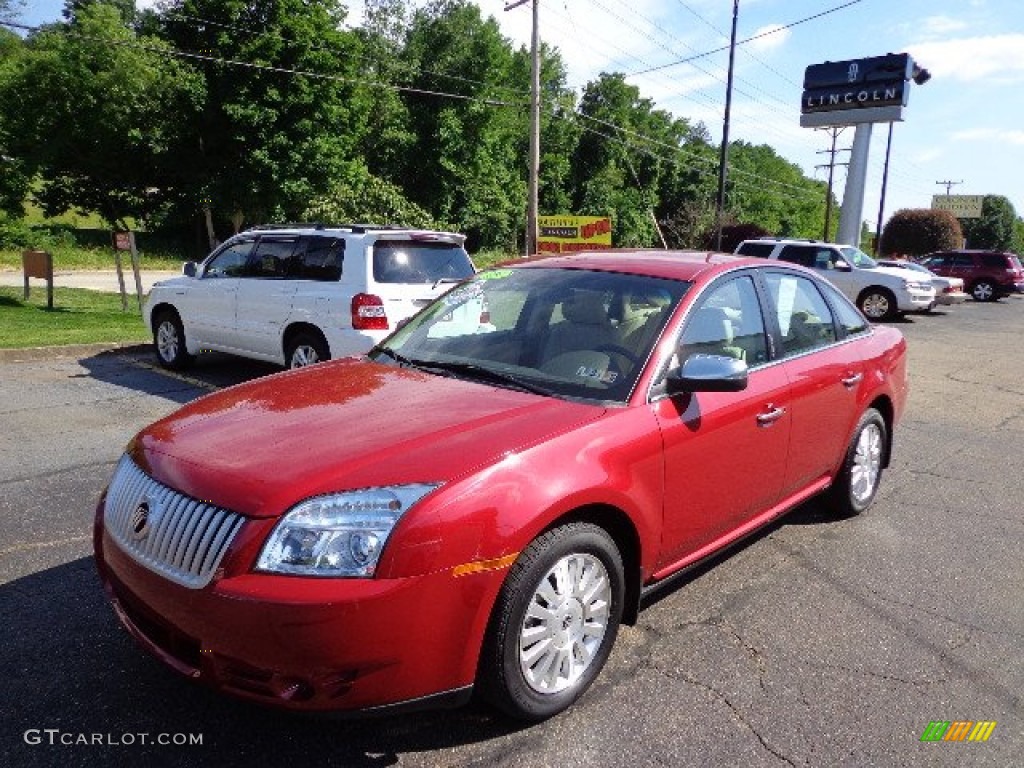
[
  {"x": 88, "y": 85},
  {"x": 994, "y": 230},
  {"x": 917, "y": 231},
  {"x": 361, "y": 197}
]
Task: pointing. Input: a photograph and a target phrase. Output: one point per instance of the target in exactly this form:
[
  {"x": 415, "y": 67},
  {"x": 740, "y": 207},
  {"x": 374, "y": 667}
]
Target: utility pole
[
  {"x": 723, "y": 160},
  {"x": 948, "y": 185},
  {"x": 881, "y": 201},
  {"x": 533, "y": 196},
  {"x": 834, "y": 132}
]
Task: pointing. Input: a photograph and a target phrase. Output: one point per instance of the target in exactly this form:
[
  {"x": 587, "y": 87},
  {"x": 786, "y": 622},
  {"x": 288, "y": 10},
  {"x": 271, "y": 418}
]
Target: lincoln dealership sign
[{"x": 871, "y": 90}]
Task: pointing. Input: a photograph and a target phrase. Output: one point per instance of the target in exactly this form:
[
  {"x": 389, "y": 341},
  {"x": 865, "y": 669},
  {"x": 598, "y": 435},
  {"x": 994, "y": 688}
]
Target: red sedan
[{"x": 480, "y": 502}]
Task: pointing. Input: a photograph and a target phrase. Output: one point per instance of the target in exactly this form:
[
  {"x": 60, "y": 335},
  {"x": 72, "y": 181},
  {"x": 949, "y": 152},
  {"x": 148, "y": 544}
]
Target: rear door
[
  {"x": 824, "y": 371},
  {"x": 265, "y": 296},
  {"x": 410, "y": 272}
]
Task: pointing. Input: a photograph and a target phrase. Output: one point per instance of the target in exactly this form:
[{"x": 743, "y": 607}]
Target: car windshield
[
  {"x": 857, "y": 258},
  {"x": 409, "y": 261},
  {"x": 562, "y": 332}
]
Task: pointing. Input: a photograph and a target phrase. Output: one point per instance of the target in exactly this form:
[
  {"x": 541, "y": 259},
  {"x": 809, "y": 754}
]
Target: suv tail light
[{"x": 368, "y": 313}]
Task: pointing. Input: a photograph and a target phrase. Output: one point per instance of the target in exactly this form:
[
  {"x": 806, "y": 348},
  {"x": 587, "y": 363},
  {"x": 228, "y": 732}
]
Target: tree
[
  {"x": 284, "y": 111},
  {"x": 917, "y": 231},
  {"x": 994, "y": 229},
  {"x": 14, "y": 182},
  {"x": 93, "y": 111}
]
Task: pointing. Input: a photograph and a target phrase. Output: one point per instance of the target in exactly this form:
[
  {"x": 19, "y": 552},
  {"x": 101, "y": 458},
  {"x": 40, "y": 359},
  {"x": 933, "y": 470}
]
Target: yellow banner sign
[{"x": 566, "y": 234}]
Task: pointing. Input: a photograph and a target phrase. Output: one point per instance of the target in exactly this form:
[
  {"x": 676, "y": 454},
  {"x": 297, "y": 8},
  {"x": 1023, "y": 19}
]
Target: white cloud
[
  {"x": 1002, "y": 136},
  {"x": 772, "y": 39},
  {"x": 974, "y": 58},
  {"x": 936, "y": 26}
]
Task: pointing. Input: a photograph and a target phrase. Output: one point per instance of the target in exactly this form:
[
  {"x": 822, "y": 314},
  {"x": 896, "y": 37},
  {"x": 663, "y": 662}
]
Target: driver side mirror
[
  {"x": 842, "y": 266},
  {"x": 189, "y": 269}
]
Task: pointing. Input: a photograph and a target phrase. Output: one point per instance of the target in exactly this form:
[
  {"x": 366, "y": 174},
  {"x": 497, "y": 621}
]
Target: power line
[{"x": 772, "y": 31}]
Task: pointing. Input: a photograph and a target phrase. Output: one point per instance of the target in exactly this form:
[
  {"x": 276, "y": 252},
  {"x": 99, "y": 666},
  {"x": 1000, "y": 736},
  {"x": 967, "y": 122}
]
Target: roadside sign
[
  {"x": 961, "y": 206},
  {"x": 566, "y": 234}
]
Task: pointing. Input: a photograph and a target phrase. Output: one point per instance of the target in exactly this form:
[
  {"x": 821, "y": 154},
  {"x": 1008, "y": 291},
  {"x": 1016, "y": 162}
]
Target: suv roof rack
[{"x": 359, "y": 228}]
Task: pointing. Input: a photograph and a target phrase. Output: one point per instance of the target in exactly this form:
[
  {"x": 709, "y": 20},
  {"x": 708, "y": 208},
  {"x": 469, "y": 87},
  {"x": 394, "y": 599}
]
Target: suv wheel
[
  {"x": 877, "y": 304},
  {"x": 983, "y": 290},
  {"x": 306, "y": 348},
  {"x": 169, "y": 340}
]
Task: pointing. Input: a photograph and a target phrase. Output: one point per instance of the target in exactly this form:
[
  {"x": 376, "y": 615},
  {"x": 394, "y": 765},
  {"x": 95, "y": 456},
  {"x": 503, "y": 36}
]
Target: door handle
[
  {"x": 852, "y": 381},
  {"x": 770, "y": 417}
]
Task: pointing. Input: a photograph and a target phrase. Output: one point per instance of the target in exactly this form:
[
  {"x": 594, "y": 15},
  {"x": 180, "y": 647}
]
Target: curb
[{"x": 27, "y": 354}]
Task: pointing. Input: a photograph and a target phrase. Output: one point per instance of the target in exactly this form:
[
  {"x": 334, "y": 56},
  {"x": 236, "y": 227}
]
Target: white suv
[
  {"x": 881, "y": 293},
  {"x": 295, "y": 295}
]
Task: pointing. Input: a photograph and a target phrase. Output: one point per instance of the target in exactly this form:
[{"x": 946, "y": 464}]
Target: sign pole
[{"x": 852, "y": 211}]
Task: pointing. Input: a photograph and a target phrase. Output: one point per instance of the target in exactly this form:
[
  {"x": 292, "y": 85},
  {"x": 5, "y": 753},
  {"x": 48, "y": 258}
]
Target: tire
[
  {"x": 306, "y": 348},
  {"x": 169, "y": 341},
  {"x": 856, "y": 485},
  {"x": 878, "y": 304},
  {"x": 554, "y": 623},
  {"x": 984, "y": 290}
]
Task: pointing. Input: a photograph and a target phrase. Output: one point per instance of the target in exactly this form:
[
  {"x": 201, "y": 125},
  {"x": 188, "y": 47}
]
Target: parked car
[
  {"x": 481, "y": 510},
  {"x": 948, "y": 290},
  {"x": 988, "y": 275},
  {"x": 302, "y": 294},
  {"x": 881, "y": 293}
]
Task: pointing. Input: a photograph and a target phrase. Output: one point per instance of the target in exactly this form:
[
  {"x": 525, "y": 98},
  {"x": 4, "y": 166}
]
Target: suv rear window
[
  {"x": 408, "y": 261},
  {"x": 997, "y": 260},
  {"x": 760, "y": 250}
]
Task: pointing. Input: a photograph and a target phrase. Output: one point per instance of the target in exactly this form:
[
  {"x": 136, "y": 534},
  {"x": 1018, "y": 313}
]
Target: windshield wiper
[
  {"x": 398, "y": 358},
  {"x": 480, "y": 373}
]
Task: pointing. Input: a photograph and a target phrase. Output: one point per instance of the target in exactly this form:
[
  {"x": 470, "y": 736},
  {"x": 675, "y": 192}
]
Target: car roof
[
  {"x": 353, "y": 229},
  {"x": 677, "y": 265}
]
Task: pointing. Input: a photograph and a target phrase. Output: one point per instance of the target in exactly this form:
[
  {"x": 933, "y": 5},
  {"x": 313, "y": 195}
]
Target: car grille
[{"x": 174, "y": 535}]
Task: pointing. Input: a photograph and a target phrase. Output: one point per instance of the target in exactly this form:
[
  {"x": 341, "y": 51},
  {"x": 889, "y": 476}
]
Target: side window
[
  {"x": 805, "y": 321},
  {"x": 798, "y": 254},
  {"x": 850, "y": 320},
  {"x": 230, "y": 262},
  {"x": 727, "y": 322},
  {"x": 996, "y": 260},
  {"x": 963, "y": 260},
  {"x": 760, "y": 250},
  {"x": 322, "y": 259},
  {"x": 272, "y": 258}
]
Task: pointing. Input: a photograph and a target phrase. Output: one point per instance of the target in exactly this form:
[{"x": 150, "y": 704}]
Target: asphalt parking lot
[{"x": 818, "y": 643}]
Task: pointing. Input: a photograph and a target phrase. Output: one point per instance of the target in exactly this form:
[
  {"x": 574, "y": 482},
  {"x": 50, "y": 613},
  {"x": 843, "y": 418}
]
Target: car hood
[
  {"x": 902, "y": 274},
  {"x": 261, "y": 447}
]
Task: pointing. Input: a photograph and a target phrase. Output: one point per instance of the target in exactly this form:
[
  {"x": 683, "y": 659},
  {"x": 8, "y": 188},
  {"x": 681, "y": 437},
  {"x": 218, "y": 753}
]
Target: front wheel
[
  {"x": 857, "y": 483},
  {"x": 169, "y": 340},
  {"x": 878, "y": 304},
  {"x": 554, "y": 622},
  {"x": 305, "y": 349}
]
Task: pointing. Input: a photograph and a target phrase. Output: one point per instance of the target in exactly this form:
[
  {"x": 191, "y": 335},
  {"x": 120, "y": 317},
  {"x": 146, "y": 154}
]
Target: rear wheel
[
  {"x": 857, "y": 483},
  {"x": 306, "y": 348},
  {"x": 169, "y": 340},
  {"x": 554, "y": 623},
  {"x": 878, "y": 304},
  {"x": 983, "y": 290}
]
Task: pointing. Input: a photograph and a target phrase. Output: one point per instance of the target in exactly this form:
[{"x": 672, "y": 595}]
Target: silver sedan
[{"x": 948, "y": 290}]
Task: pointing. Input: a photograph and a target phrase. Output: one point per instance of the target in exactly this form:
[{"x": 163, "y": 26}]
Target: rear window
[
  {"x": 997, "y": 260},
  {"x": 408, "y": 261},
  {"x": 760, "y": 250}
]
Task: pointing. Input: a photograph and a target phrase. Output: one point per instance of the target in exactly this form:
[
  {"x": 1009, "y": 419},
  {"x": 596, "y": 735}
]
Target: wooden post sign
[
  {"x": 125, "y": 241},
  {"x": 39, "y": 264}
]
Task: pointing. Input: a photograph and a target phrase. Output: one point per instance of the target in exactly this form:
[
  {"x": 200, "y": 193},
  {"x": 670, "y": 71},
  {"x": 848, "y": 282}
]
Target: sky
[{"x": 965, "y": 125}]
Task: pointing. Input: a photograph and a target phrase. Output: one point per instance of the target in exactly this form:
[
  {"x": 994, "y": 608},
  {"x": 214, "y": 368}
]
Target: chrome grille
[{"x": 174, "y": 535}]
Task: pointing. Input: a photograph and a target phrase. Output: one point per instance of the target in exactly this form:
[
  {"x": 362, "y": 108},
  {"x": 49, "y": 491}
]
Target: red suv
[{"x": 987, "y": 275}]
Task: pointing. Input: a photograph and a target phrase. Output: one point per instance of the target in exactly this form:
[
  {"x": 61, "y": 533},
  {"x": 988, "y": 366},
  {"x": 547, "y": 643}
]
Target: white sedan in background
[{"x": 948, "y": 290}]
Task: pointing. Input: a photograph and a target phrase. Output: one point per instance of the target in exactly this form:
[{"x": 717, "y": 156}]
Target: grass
[
  {"x": 78, "y": 317},
  {"x": 73, "y": 258}
]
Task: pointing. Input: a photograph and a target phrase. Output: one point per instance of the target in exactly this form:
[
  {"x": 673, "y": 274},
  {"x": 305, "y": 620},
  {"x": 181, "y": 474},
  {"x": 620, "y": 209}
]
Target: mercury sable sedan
[{"x": 482, "y": 500}]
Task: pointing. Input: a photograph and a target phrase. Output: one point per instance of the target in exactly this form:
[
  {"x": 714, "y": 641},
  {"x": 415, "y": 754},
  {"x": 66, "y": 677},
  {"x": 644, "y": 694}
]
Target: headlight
[{"x": 338, "y": 535}]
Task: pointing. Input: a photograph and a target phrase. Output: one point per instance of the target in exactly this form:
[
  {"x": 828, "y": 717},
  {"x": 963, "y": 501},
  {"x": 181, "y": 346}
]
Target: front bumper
[
  {"x": 913, "y": 300},
  {"x": 305, "y": 643}
]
